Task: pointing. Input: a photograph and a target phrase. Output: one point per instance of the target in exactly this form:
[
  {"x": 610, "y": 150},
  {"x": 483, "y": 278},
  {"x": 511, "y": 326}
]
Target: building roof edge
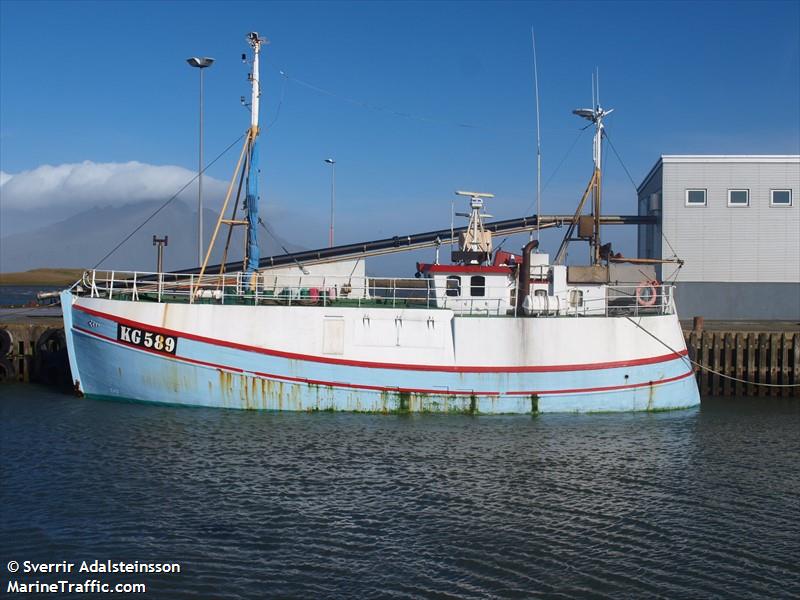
[
  {"x": 650, "y": 174},
  {"x": 736, "y": 158},
  {"x": 717, "y": 158}
]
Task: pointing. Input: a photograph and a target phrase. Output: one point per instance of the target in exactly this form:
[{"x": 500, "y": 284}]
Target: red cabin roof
[{"x": 429, "y": 268}]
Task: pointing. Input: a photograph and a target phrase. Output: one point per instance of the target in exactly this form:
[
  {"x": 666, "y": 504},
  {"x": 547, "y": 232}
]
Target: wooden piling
[
  {"x": 705, "y": 339},
  {"x": 741, "y": 339},
  {"x": 774, "y": 350},
  {"x": 784, "y": 361},
  {"x": 763, "y": 364},
  {"x": 750, "y": 371},
  {"x": 728, "y": 349},
  {"x": 716, "y": 365},
  {"x": 796, "y": 363}
]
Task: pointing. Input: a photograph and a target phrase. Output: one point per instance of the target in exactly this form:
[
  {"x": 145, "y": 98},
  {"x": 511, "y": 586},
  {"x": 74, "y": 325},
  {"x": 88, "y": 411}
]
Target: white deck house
[{"x": 735, "y": 221}]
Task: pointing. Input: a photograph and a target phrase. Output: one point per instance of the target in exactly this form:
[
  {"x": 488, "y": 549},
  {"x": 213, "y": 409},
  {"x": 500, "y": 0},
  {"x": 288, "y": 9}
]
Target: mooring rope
[{"x": 709, "y": 369}]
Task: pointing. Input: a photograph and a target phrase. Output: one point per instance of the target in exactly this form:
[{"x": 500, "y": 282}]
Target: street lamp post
[
  {"x": 332, "y": 163},
  {"x": 200, "y": 62},
  {"x": 160, "y": 243}
]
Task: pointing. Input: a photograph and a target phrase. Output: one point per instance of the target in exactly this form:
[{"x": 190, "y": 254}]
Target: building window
[
  {"x": 738, "y": 197},
  {"x": 453, "y": 285},
  {"x": 477, "y": 285},
  {"x": 695, "y": 197},
  {"x": 780, "y": 198}
]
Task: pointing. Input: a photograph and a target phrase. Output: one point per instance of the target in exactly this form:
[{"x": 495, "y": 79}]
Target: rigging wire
[
  {"x": 560, "y": 164},
  {"x": 280, "y": 102},
  {"x": 709, "y": 369},
  {"x": 633, "y": 183},
  {"x": 628, "y": 173},
  {"x": 394, "y": 112},
  {"x": 163, "y": 206},
  {"x": 278, "y": 241}
]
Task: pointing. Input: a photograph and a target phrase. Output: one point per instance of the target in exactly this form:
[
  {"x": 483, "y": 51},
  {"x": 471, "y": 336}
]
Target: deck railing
[{"x": 318, "y": 290}]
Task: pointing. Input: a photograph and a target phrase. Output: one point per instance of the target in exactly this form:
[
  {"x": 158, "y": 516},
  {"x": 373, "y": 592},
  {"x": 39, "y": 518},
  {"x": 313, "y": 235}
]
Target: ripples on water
[{"x": 699, "y": 503}]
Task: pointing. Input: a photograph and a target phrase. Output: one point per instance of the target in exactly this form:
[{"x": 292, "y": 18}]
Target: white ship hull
[{"x": 374, "y": 359}]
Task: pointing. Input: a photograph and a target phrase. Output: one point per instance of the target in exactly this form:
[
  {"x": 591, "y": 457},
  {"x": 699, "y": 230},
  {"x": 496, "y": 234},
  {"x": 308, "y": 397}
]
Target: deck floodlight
[{"x": 201, "y": 62}]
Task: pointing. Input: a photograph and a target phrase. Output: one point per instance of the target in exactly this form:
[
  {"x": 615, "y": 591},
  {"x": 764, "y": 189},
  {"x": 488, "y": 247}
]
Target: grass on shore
[{"x": 42, "y": 277}]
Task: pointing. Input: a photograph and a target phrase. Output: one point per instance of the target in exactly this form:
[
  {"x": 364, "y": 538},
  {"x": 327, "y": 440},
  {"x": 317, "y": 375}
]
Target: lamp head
[{"x": 201, "y": 62}]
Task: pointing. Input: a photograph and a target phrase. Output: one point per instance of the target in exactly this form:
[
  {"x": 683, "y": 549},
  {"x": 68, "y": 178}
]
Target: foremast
[
  {"x": 246, "y": 172},
  {"x": 253, "y": 254},
  {"x": 596, "y": 114}
]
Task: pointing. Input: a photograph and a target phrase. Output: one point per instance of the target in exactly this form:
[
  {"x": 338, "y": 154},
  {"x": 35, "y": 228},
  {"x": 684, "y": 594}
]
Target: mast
[
  {"x": 596, "y": 115},
  {"x": 253, "y": 253},
  {"x": 246, "y": 172}
]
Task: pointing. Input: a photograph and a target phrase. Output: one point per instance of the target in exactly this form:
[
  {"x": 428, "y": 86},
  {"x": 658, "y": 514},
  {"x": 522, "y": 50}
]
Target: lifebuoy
[{"x": 647, "y": 293}]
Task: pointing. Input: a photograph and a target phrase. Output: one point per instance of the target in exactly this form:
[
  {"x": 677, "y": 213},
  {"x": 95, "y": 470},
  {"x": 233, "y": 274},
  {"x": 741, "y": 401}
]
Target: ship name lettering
[{"x": 147, "y": 339}]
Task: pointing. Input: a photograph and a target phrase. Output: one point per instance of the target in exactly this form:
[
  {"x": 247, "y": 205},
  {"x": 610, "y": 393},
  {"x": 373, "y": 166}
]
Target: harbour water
[{"x": 694, "y": 503}]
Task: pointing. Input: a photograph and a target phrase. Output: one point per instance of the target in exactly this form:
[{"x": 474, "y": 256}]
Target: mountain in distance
[{"x": 82, "y": 240}]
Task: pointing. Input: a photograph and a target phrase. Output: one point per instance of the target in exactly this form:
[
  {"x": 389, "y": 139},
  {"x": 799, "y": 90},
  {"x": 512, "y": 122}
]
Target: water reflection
[{"x": 688, "y": 503}]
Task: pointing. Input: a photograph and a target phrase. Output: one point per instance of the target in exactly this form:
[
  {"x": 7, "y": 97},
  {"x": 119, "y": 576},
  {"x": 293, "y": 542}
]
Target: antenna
[
  {"x": 452, "y": 224},
  {"x": 597, "y": 79},
  {"x": 538, "y": 138}
]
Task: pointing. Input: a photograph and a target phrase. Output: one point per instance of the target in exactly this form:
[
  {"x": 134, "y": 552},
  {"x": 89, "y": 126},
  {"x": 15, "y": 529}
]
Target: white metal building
[{"x": 735, "y": 221}]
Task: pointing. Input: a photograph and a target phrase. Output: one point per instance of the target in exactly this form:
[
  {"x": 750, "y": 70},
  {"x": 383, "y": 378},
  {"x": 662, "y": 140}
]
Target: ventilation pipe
[{"x": 524, "y": 274}]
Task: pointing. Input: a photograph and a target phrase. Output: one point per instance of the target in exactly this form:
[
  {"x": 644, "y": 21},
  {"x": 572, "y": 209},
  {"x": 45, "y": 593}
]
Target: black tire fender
[
  {"x": 7, "y": 371},
  {"x": 6, "y": 342}
]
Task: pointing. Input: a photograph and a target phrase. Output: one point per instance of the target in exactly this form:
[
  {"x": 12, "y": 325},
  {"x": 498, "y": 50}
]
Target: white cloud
[{"x": 86, "y": 184}]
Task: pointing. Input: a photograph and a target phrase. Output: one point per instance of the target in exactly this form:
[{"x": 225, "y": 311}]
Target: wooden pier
[{"x": 739, "y": 356}]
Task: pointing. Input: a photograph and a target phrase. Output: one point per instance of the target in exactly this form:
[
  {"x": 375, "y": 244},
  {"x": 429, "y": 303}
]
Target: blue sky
[{"x": 107, "y": 82}]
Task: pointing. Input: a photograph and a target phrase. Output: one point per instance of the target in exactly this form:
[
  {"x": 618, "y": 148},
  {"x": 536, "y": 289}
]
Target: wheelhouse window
[
  {"x": 576, "y": 298},
  {"x": 780, "y": 198},
  {"x": 477, "y": 285},
  {"x": 453, "y": 287},
  {"x": 738, "y": 197},
  {"x": 696, "y": 197}
]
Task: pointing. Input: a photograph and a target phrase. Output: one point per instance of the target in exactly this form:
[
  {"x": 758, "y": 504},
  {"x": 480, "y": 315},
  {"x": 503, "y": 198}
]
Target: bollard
[{"x": 697, "y": 324}]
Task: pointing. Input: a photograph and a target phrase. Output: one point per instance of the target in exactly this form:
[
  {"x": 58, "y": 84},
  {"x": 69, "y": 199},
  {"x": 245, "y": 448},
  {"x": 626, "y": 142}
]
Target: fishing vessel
[{"x": 490, "y": 332}]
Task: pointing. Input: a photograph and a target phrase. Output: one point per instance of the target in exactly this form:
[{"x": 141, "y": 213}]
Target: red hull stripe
[
  {"x": 203, "y": 363},
  {"x": 608, "y": 388},
  {"x": 378, "y": 388},
  {"x": 396, "y": 366}
]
